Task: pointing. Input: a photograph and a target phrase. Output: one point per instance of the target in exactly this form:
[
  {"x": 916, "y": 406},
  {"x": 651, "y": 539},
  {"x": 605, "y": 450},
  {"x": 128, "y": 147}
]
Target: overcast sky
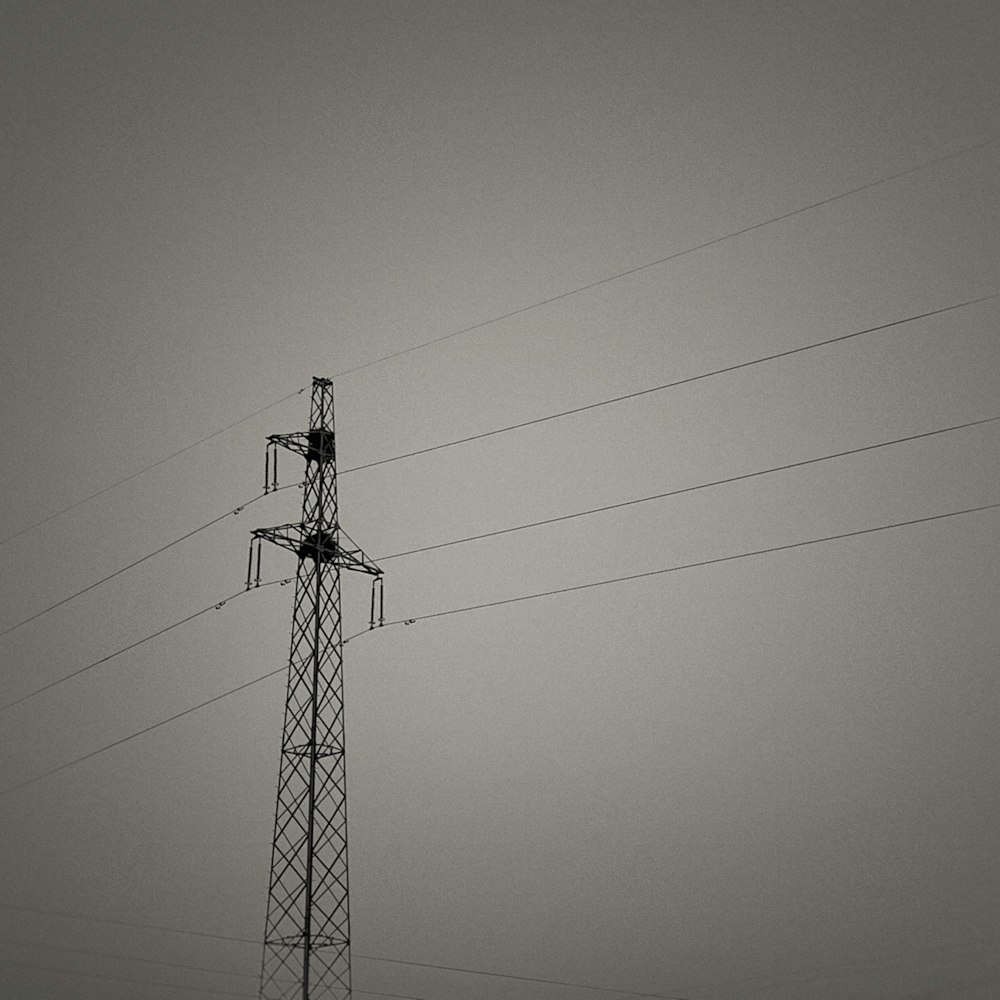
[{"x": 773, "y": 778}]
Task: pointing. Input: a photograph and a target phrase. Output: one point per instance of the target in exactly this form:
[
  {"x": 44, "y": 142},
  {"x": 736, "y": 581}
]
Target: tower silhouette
[{"x": 307, "y": 938}]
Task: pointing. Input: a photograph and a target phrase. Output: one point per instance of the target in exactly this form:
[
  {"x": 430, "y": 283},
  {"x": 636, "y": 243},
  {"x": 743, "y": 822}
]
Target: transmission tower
[{"x": 307, "y": 937}]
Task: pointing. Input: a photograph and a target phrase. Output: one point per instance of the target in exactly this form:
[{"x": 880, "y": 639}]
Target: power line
[
  {"x": 149, "y": 729},
  {"x": 673, "y": 256},
  {"x": 141, "y": 559},
  {"x": 394, "y": 996},
  {"x": 143, "y": 732},
  {"x": 76, "y": 973},
  {"x": 152, "y": 465},
  {"x": 517, "y": 426},
  {"x": 521, "y": 527},
  {"x": 785, "y": 977},
  {"x": 104, "y": 659},
  {"x": 672, "y": 385},
  {"x": 371, "y": 958},
  {"x": 515, "y": 600},
  {"x": 684, "y": 489},
  {"x": 965, "y": 150},
  {"x": 529, "y": 979},
  {"x": 162, "y": 722},
  {"x": 846, "y": 971},
  {"x": 49, "y": 946},
  {"x": 93, "y": 918},
  {"x": 693, "y": 565}
]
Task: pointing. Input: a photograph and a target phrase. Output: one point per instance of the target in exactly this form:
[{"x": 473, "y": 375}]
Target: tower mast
[{"x": 307, "y": 938}]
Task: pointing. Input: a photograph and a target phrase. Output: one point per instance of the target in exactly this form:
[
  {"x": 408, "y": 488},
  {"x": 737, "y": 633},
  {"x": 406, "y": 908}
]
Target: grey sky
[{"x": 769, "y": 779}]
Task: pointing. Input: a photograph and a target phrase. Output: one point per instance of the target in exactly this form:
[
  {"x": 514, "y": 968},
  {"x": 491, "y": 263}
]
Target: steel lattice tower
[{"x": 307, "y": 938}]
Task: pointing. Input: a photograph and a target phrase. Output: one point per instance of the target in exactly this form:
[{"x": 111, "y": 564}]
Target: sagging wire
[
  {"x": 235, "y": 512},
  {"x": 217, "y": 606}
]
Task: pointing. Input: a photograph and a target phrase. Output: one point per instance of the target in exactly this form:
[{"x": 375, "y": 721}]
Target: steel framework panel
[{"x": 307, "y": 934}]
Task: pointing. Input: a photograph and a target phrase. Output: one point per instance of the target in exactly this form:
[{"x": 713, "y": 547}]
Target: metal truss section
[
  {"x": 307, "y": 932},
  {"x": 313, "y": 542}
]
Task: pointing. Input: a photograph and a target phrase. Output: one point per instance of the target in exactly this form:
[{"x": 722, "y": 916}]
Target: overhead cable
[
  {"x": 143, "y": 732},
  {"x": 522, "y": 527},
  {"x": 518, "y": 426},
  {"x": 691, "y": 565},
  {"x": 964, "y": 151},
  {"x": 973, "y": 943},
  {"x": 371, "y": 958},
  {"x": 75, "y": 973},
  {"x": 93, "y": 953},
  {"x": 618, "y": 991},
  {"x": 149, "y": 555},
  {"x": 686, "y": 489},
  {"x": 672, "y": 385},
  {"x": 179, "y": 715},
  {"x": 116, "y": 922},
  {"x": 152, "y": 465},
  {"x": 118, "y": 652},
  {"x": 926, "y": 164},
  {"x": 514, "y": 600}
]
